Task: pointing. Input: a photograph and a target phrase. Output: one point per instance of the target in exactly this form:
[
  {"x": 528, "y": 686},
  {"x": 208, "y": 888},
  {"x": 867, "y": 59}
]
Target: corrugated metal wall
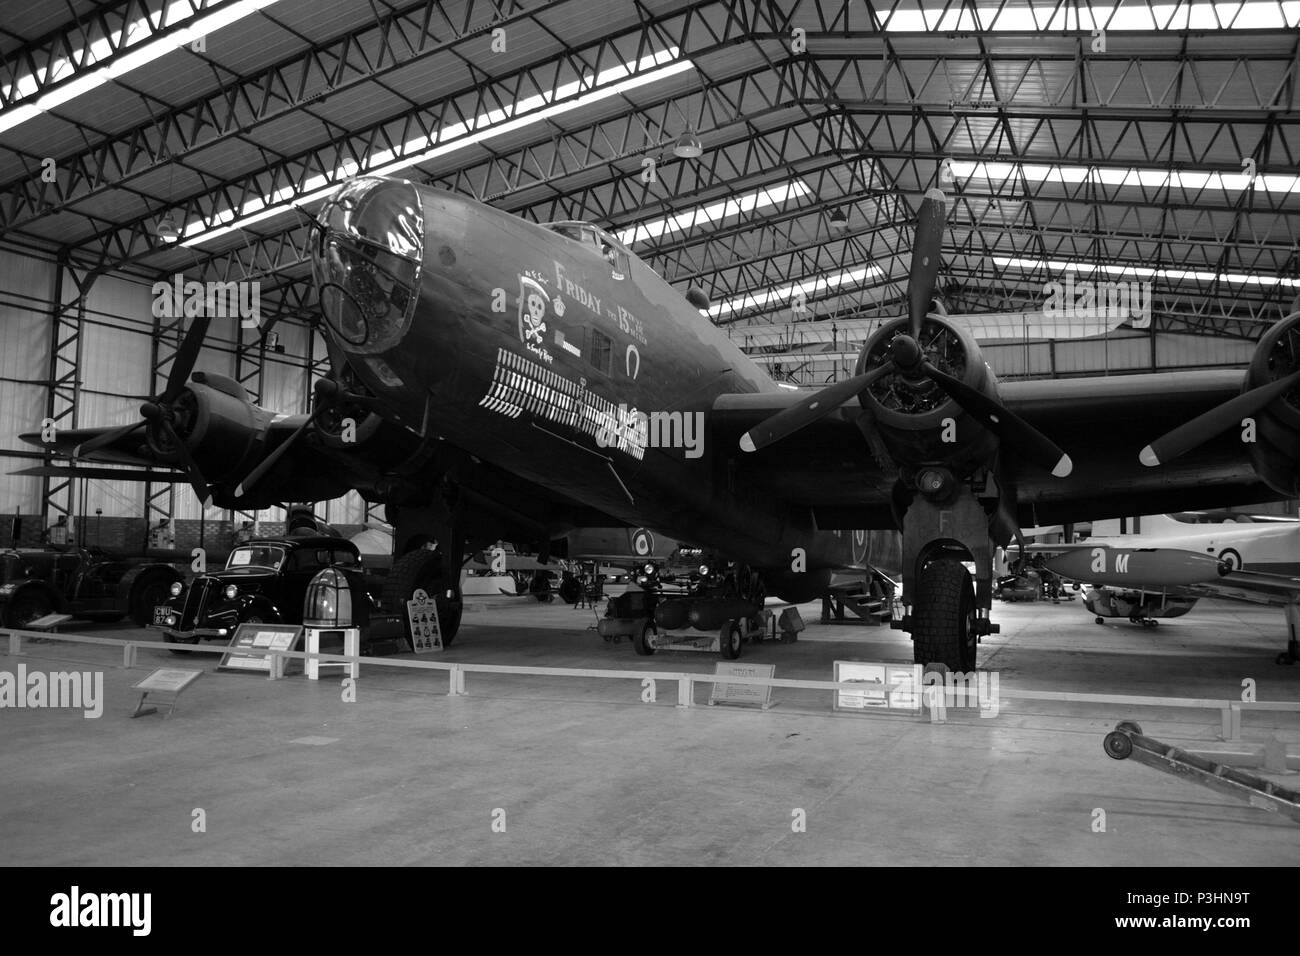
[{"x": 25, "y": 332}]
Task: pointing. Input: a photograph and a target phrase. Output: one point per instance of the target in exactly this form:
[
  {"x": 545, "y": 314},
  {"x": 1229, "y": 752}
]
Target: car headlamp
[
  {"x": 176, "y": 589},
  {"x": 231, "y": 592}
]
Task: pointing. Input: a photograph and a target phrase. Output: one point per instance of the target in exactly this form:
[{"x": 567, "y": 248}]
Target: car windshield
[{"x": 256, "y": 556}]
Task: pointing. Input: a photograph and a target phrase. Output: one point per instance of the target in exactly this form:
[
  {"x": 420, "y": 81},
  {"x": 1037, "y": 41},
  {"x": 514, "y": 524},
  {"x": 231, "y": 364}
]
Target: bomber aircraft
[{"x": 507, "y": 379}]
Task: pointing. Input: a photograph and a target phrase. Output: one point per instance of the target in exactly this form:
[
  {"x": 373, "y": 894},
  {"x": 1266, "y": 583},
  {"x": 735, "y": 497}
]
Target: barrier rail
[{"x": 1230, "y": 710}]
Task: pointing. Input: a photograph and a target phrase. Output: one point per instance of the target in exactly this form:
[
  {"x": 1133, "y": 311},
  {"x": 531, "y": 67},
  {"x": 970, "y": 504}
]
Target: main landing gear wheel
[
  {"x": 730, "y": 639},
  {"x": 943, "y": 628},
  {"x": 641, "y": 641},
  {"x": 421, "y": 570}
]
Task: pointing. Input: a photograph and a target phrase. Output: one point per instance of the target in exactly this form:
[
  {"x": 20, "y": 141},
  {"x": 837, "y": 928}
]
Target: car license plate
[{"x": 160, "y": 614}]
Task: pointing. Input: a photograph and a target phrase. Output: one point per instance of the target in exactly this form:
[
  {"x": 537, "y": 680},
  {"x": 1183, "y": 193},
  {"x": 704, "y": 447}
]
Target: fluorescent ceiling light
[
  {"x": 785, "y": 294},
  {"x": 716, "y": 212},
  {"x": 1001, "y": 16},
  {"x": 120, "y": 64},
  {"x": 1140, "y": 272},
  {"x": 1064, "y": 173},
  {"x": 449, "y": 138}
]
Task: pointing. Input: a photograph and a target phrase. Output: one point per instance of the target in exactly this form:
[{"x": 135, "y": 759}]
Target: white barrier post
[
  {"x": 15, "y": 644},
  {"x": 685, "y": 692},
  {"x": 128, "y": 655},
  {"x": 934, "y": 697},
  {"x": 456, "y": 681}
]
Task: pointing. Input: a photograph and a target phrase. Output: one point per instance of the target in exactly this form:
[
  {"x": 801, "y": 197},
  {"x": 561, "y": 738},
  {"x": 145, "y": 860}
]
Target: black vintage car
[
  {"x": 86, "y": 583},
  {"x": 264, "y": 581}
]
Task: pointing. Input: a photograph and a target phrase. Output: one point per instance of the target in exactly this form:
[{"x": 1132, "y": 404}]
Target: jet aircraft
[
  {"x": 1163, "y": 570},
  {"x": 496, "y": 378}
]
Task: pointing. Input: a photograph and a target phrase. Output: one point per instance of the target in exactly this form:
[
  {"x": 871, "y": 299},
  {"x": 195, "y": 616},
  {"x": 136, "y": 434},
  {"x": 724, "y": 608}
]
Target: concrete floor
[{"x": 582, "y": 772}]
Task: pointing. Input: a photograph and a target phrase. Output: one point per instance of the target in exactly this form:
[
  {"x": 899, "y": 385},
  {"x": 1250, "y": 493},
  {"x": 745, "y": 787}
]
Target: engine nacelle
[
  {"x": 222, "y": 430},
  {"x": 1275, "y": 452},
  {"x": 915, "y": 418}
]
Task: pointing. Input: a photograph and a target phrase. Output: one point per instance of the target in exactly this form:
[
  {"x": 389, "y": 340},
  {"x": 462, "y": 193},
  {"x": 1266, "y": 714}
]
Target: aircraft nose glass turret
[{"x": 366, "y": 262}]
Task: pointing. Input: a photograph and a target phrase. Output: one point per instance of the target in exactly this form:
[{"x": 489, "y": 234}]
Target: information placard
[
  {"x": 752, "y": 695},
  {"x": 168, "y": 680},
  {"x": 906, "y": 699},
  {"x": 251, "y": 637},
  {"x": 422, "y": 613},
  {"x": 166, "y": 684}
]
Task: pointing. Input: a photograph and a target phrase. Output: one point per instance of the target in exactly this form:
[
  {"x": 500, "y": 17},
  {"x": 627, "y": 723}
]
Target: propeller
[
  {"x": 813, "y": 408},
  {"x": 905, "y": 356},
  {"x": 329, "y": 392},
  {"x": 267, "y": 463},
  {"x": 182, "y": 366},
  {"x": 1008, "y": 426},
  {"x": 156, "y": 414},
  {"x": 1215, "y": 422},
  {"x": 926, "y": 245}
]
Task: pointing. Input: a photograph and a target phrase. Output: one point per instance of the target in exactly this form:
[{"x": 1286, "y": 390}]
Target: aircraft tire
[
  {"x": 730, "y": 639},
  {"x": 422, "y": 570},
  {"x": 1100, "y": 620},
  {"x": 943, "y": 629},
  {"x": 641, "y": 639}
]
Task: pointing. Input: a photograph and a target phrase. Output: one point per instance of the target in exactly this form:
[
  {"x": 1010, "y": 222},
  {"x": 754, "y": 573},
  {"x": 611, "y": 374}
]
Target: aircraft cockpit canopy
[
  {"x": 597, "y": 239},
  {"x": 366, "y": 259}
]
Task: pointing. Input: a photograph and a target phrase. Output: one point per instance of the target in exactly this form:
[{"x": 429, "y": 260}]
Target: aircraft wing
[
  {"x": 131, "y": 448},
  {"x": 126, "y": 450},
  {"x": 1102, "y": 423},
  {"x": 1256, "y": 587}
]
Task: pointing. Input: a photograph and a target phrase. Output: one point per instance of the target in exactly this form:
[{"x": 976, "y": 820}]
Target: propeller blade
[
  {"x": 812, "y": 409},
  {"x": 1009, "y": 427},
  {"x": 108, "y": 438},
  {"x": 191, "y": 469},
  {"x": 267, "y": 463},
  {"x": 187, "y": 356},
  {"x": 924, "y": 273},
  {"x": 1215, "y": 422}
]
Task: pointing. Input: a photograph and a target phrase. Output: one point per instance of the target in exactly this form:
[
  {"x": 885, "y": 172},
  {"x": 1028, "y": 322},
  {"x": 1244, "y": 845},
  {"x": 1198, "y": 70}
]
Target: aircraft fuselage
[{"x": 553, "y": 353}]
